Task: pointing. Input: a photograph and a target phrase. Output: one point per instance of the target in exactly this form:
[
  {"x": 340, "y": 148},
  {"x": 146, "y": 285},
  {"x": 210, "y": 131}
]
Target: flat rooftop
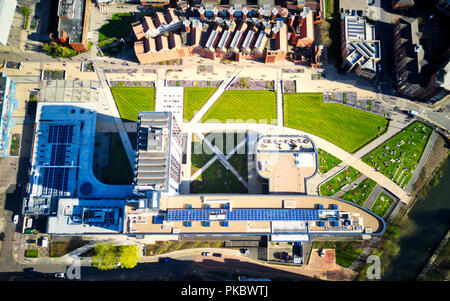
[
  {"x": 153, "y": 153},
  {"x": 71, "y": 13},
  {"x": 80, "y": 216},
  {"x": 251, "y": 214},
  {"x": 286, "y": 161}
]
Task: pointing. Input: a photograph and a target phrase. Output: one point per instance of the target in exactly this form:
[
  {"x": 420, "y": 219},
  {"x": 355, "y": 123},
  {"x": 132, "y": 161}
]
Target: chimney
[
  {"x": 291, "y": 20},
  {"x": 201, "y": 10},
  {"x": 215, "y": 11},
  {"x": 274, "y": 13},
  {"x": 244, "y": 12},
  {"x": 186, "y": 25},
  {"x": 275, "y": 31},
  {"x": 231, "y": 12},
  {"x": 260, "y": 13}
]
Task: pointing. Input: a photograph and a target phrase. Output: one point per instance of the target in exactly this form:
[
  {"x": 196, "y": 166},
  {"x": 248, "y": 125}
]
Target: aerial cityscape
[{"x": 224, "y": 140}]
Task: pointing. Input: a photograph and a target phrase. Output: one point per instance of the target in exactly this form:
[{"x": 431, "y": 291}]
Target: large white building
[{"x": 7, "y": 8}]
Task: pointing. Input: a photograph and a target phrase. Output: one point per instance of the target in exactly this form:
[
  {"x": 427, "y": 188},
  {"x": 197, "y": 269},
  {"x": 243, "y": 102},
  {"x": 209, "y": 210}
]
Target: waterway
[{"x": 432, "y": 219}]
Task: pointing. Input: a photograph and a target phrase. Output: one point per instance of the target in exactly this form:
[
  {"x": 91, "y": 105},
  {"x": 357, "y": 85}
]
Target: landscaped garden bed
[
  {"x": 360, "y": 194},
  {"x": 335, "y": 184},
  {"x": 398, "y": 157}
]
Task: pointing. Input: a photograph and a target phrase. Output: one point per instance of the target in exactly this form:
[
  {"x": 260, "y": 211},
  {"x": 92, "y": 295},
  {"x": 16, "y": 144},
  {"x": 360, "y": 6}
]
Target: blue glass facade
[{"x": 8, "y": 103}]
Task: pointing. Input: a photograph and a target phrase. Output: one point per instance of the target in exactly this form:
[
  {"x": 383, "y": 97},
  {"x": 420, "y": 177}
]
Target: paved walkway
[
  {"x": 222, "y": 158},
  {"x": 433, "y": 257},
  {"x": 327, "y": 146},
  {"x": 350, "y": 186},
  {"x": 279, "y": 88},
  {"x": 397, "y": 124},
  {"x": 423, "y": 160},
  {"x": 373, "y": 197},
  {"x": 223, "y": 86},
  {"x": 116, "y": 115}
]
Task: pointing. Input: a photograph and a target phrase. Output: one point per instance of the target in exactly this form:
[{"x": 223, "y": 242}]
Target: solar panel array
[
  {"x": 56, "y": 177},
  {"x": 60, "y": 133},
  {"x": 55, "y": 181},
  {"x": 244, "y": 214}
]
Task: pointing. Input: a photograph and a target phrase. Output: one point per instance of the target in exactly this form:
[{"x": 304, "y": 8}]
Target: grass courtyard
[
  {"x": 132, "y": 100},
  {"x": 243, "y": 106},
  {"x": 194, "y": 99},
  {"x": 347, "y": 127},
  {"x": 398, "y": 157},
  {"x": 326, "y": 161},
  {"x": 359, "y": 194},
  {"x": 382, "y": 205},
  {"x": 216, "y": 178},
  {"x": 335, "y": 184}
]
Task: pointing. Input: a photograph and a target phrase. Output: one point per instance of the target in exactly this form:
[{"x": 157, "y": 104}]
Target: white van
[{"x": 44, "y": 242}]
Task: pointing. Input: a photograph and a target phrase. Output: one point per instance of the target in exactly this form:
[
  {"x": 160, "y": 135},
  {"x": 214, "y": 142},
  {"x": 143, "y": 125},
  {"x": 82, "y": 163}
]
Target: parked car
[
  {"x": 206, "y": 254},
  {"x": 2, "y": 236},
  {"x": 217, "y": 255},
  {"x": 245, "y": 251},
  {"x": 16, "y": 219},
  {"x": 60, "y": 275},
  {"x": 29, "y": 272},
  {"x": 31, "y": 241},
  {"x": 44, "y": 242},
  {"x": 165, "y": 259}
]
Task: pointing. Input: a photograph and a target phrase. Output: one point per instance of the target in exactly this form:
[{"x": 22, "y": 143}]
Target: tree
[
  {"x": 322, "y": 31},
  {"x": 128, "y": 256},
  {"x": 105, "y": 257}
]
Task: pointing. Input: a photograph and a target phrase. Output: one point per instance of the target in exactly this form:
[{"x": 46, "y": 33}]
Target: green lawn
[
  {"x": 346, "y": 252},
  {"x": 244, "y": 105},
  {"x": 360, "y": 194},
  {"x": 335, "y": 184},
  {"x": 200, "y": 154},
  {"x": 327, "y": 161},
  {"x": 118, "y": 171},
  {"x": 194, "y": 99},
  {"x": 31, "y": 253},
  {"x": 217, "y": 179},
  {"x": 382, "y": 205},
  {"x": 398, "y": 157},
  {"x": 347, "y": 127},
  {"x": 132, "y": 100},
  {"x": 118, "y": 27}
]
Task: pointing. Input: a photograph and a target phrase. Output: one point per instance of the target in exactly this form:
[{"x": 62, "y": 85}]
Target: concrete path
[
  {"x": 254, "y": 184},
  {"x": 279, "y": 88},
  {"x": 223, "y": 86},
  {"x": 373, "y": 197},
  {"x": 116, "y": 116},
  {"x": 397, "y": 124},
  {"x": 350, "y": 186},
  {"x": 423, "y": 160},
  {"x": 224, "y": 159},
  {"x": 433, "y": 257},
  {"x": 347, "y": 158}
]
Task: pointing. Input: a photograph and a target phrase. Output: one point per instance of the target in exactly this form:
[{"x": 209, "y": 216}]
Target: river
[{"x": 432, "y": 219}]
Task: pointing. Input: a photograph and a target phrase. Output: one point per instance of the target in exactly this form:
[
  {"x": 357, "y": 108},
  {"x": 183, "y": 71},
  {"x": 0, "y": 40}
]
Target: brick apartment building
[
  {"x": 73, "y": 24},
  {"x": 415, "y": 77}
]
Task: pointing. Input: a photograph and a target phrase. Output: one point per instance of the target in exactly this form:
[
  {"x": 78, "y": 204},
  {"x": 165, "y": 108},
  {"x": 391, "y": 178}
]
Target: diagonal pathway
[
  {"x": 115, "y": 115},
  {"x": 220, "y": 90},
  {"x": 222, "y": 158},
  {"x": 346, "y": 157}
]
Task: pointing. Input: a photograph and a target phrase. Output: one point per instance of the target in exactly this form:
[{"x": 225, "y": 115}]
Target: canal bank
[{"x": 428, "y": 222}]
